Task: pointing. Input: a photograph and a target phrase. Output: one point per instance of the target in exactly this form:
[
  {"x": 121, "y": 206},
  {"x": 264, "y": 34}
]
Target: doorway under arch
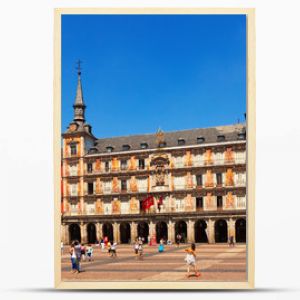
[
  {"x": 200, "y": 232},
  {"x": 91, "y": 233},
  {"x": 161, "y": 231},
  {"x": 125, "y": 233},
  {"x": 107, "y": 230},
  {"x": 181, "y": 228},
  {"x": 143, "y": 230},
  {"x": 74, "y": 233},
  {"x": 221, "y": 233},
  {"x": 240, "y": 231}
]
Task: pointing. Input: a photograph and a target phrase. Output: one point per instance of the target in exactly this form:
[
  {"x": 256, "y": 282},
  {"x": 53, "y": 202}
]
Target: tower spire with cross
[{"x": 79, "y": 106}]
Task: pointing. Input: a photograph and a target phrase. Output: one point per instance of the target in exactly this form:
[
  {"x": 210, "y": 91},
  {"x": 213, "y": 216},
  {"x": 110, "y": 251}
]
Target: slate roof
[{"x": 230, "y": 132}]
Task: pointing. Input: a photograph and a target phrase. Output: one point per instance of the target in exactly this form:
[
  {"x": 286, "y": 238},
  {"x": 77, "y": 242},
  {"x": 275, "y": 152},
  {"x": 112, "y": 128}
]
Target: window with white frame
[
  {"x": 142, "y": 184},
  {"x": 73, "y": 169},
  {"x": 241, "y": 202},
  {"x": 107, "y": 186},
  {"x": 179, "y": 182},
  {"x": 73, "y": 189}
]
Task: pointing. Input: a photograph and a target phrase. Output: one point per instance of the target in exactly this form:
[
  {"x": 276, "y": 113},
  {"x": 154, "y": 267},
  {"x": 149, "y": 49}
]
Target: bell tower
[{"x": 79, "y": 106}]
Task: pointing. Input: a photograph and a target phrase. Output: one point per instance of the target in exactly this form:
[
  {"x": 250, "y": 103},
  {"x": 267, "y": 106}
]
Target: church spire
[{"x": 79, "y": 106}]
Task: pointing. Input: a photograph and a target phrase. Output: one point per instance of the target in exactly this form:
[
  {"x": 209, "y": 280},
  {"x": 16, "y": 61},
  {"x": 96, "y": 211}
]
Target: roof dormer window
[
  {"x": 200, "y": 140},
  {"x": 181, "y": 142},
  {"x": 221, "y": 138},
  {"x": 144, "y": 145},
  {"x": 109, "y": 149},
  {"x": 242, "y": 136},
  {"x": 125, "y": 147}
]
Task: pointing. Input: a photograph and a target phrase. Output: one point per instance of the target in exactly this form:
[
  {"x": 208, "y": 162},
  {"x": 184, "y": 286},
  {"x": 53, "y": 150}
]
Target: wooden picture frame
[{"x": 250, "y": 147}]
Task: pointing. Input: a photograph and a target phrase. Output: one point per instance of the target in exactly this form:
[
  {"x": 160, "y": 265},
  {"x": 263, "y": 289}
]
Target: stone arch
[
  {"x": 221, "y": 232},
  {"x": 161, "y": 231},
  {"x": 125, "y": 234},
  {"x": 201, "y": 232},
  {"x": 143, "y": 230},
  {"x": 107, "y": 231},
  {"x": 240, "y": 230},
  {"x": 91, "y": 233},
  {"x": 181, "y": 228},
  {"x": 74, "y": 232}
]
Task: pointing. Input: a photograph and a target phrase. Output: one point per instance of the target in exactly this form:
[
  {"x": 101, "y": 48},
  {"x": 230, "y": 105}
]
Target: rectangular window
[
  {"x": 90, "y": 188},
  {"x": 123, "y": 164},
  {"x": 219, "y": 201},
  {"x": 124, "y": 185},
  {"x": 90, "y": 167},
  {"x": 73, "y": 149},
  {"x": 219, "y": 179},
  {"x": 73, "y": 189},
  {"x": 107, "y": 166},
  {"x": 199, "y": 202},
  {"x": 199, "y": 179},
  {"x": 141, "y": 164}
]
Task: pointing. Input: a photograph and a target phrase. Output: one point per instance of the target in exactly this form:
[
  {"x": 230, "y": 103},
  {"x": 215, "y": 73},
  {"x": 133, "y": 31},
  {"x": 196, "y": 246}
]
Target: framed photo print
[{"x": 154, "y": 148}]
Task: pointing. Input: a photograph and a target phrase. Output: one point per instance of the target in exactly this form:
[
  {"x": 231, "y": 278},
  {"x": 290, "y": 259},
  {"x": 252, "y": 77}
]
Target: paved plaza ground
[{"x": 217, "y": 262}]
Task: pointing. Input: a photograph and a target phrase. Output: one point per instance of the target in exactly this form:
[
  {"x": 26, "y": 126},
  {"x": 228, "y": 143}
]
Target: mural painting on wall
[
  {"x": 229, "y": 178},
  {"x": 189, "y": 180},
  {"x": 172, "y": 164},
  {"x": 209, "y": 179},
  {"x": 189, "y": 203},
  {"x": 133, "y": 184},
  {"x": 209, "y": 201},
  {"x": 229, "y": 200},
  {"x": 160, "y": 176},
  {"x": 115, "y": 164},
  {"x": 116, "y": 206},
  {"x": 98, "y": 165},
  {"x": 79, "y": 189},
  {"x": 79, "y": 207},
  {"x": 188, "y": 159},
  {"x": 132, "y": 163},
  {"x": 115, "y": 185},
  {"x": 134, "y": 206},
  {"x": 172, "y": 203},
  {"x": 99, "y": 207},
  {"x": 98, "y": 186},
  {"x": 229, "y": 156},
  {"x": 208, "y": 160}
]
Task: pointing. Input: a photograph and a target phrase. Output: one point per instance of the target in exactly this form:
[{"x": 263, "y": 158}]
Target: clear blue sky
[{"x": 141, "y": 72}]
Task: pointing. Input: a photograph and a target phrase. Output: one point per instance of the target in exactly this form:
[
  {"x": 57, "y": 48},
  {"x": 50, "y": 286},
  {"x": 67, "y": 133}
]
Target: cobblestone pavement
[{"x": 216, "y": 262}]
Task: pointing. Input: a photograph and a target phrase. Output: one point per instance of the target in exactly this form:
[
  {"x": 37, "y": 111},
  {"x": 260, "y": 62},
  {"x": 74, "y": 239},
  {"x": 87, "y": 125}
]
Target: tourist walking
[
  {"x": 108, "y": 245},
  {"x": 83, "y": 252},
  {"x": 136, "y": 248},
  {"x": 73, "y": 259},
  {"x": 178, "y": 239},
  {"x": 102, "y": 245},
  {"x": 231, "y": 241},
  {"x": 191, "y": 260},
  {"x": 161, "y": 247},
  {"x": 113, "y": 250},
  {"x": 89, "y": 252},
  {"x": 77, "y": 248},
  {"x": 140, "y": 251},
  {"x": 62, "y": 247}
]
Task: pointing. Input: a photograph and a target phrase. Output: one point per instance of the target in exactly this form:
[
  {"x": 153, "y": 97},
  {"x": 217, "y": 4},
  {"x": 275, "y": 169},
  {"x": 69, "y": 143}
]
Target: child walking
[{"x": 191, "y": 260}]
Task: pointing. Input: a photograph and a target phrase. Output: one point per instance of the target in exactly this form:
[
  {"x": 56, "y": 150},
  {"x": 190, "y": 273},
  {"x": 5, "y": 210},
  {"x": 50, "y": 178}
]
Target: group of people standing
[{"x": 80, "y": 253}]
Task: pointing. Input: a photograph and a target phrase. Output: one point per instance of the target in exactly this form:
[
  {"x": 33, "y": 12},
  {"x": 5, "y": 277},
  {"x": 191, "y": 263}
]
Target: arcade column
[
  {"x": 116, "y": 228},
  {"x": 211, "y": 231},
  {"x": 171, "y": 231},
  {"x": 83, "y": 233},
  {"x": 191, "y": 231}
]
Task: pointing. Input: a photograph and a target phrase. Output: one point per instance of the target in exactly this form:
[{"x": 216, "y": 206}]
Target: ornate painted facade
[{"x": 195, "y": 180}]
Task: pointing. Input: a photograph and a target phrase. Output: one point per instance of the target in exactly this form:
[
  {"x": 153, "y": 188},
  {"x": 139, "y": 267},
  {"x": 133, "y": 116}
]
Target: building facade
[{"x": 191, "y": 182}]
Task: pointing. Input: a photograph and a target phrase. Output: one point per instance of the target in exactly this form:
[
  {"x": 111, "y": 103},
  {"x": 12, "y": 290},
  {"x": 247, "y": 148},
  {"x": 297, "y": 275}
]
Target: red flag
[{"x": 160, "y": 200}]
